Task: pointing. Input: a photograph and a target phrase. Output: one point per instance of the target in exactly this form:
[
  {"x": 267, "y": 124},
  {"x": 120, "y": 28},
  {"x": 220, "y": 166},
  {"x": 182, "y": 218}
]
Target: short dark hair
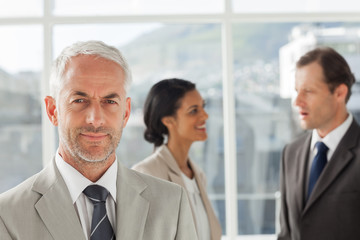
[
  {"x": 163, "y": 100},
  {"x": 335, "y": 68}
]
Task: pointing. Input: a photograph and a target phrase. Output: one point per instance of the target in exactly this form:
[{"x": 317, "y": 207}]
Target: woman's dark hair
[{"x": 163, "y": 100}]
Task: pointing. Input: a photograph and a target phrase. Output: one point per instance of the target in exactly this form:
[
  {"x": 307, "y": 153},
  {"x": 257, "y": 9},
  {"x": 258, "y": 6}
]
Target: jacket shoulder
[
  {"x": 154, "y": 183},
  {"x": 16, "y": 195},
  {"x": 298, "y": 141},
  {"x": 18, "y": 203},
  {"x": 153, "y": 165}
]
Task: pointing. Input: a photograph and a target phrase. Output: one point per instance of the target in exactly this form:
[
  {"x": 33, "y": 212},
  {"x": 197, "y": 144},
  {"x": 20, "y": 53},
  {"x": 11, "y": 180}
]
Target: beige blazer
[
  {"x": 146, "y": 208},
  {"x": 333, "y": 210},
  {"x": 163, "y": 165}
]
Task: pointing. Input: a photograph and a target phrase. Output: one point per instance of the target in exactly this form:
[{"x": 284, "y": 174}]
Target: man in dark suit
[{"x": 320, "y": 171}]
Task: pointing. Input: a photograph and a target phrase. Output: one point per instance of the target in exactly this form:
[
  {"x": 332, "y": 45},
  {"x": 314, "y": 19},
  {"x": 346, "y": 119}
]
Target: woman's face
[{"x": 189, "y": 120}]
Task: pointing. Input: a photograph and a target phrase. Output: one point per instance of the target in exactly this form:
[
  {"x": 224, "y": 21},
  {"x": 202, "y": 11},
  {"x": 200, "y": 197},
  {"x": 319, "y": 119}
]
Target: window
[
  {"x": 20, "y": 103},
  {"x": 264, "y": 61},
  {"x": 240, "y": 54}
]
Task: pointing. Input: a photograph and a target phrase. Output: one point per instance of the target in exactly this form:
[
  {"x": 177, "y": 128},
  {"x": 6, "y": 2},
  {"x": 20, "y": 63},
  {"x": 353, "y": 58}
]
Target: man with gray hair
[{"x": 85, "y": 192}]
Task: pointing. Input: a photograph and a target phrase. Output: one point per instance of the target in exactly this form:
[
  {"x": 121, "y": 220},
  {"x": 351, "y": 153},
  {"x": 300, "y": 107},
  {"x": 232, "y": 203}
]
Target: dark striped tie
[{"x": 100, "y": 225}]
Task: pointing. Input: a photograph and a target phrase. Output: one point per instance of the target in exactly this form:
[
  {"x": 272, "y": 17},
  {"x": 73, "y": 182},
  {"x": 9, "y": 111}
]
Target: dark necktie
[
  {"x": 100, "y": 225},
  {"x": 317, "y": 166}
]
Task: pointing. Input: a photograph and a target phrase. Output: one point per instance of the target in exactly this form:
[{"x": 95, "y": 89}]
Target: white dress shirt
[
  {"x": 331, "y": 140},
  {"x": 76, "y": 183},
  {"x": 201, "y": 218}
]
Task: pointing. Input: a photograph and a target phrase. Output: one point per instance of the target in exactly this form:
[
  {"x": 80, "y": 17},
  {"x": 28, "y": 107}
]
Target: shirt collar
[
  {"x": 332, "y": 139},
  {"x": 71, "y": 176}
]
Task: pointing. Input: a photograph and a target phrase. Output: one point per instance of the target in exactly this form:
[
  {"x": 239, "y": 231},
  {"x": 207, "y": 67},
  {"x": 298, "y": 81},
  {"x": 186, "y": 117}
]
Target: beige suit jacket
[
  {"x": 332, "y": 211},
  {"x": 146, "y": 208},
  {"x": 163, "y": 165}
]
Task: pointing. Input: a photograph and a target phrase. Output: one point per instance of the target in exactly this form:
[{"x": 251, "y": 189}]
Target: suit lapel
[
  {"x": 302, "y": 156},
  {"x": 174, "y": 172},
  {"x": 131, "y": 207},
  {"x": 176, "y": 178},
  {"x": 55, "y": 206},
  {"x": 340, "y": 159}
]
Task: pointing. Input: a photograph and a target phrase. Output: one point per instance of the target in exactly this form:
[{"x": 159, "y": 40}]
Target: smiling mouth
[
  {"x": 94, "y": 136},
  {"x": 201, "y": 127}
]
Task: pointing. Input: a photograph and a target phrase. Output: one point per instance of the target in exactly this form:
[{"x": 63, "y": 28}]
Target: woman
[{"x": 174, "y": 109}]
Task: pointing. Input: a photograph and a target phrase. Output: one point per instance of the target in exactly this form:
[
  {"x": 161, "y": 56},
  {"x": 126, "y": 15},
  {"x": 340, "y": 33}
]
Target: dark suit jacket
[
  {"x": 333, "y": 210},
  {"x": 146, "y": 208}
]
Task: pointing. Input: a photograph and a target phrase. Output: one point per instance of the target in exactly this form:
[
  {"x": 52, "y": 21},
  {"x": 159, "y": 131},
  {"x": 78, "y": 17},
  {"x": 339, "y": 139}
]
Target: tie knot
[
  {"x": 321, "y": 147},
  {"x": 96, "y": 193}
]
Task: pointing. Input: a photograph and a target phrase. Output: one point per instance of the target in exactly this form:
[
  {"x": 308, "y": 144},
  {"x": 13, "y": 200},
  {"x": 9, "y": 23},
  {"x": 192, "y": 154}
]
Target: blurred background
[{"x": 240, "y": 54}]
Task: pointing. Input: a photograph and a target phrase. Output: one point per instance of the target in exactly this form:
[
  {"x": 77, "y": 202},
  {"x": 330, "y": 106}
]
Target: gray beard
[{"x": 80, "y": 155}]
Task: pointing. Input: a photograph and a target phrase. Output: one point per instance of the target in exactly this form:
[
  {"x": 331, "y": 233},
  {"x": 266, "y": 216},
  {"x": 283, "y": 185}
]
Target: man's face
[
  {"x": 318, "y": 108},
  {"x": 92, "y": 110}
]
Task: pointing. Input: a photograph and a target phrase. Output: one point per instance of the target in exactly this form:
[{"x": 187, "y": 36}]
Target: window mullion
[
  {"x": 48, "y": 132},
  {"x": 229, "y": 126}
]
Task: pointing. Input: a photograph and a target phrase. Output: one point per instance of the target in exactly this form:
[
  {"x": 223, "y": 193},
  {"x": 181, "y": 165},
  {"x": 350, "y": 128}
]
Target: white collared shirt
[
  {"x": 76, "y": 183},
  {"x": 201, "y": 218},
  {"x": 331, "y": 140}
]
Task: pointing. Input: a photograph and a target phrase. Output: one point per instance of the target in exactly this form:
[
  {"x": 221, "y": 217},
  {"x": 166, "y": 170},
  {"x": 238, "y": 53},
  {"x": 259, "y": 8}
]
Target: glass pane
[
  {"x": 21, "y": 8},
  {"x": 343, "y": 37},
  {"x": 263, "y": 122},
  {"x": 134, "y": 7},
  {"x": 286, "y": 6},
  {"x": 265, "y": 56},
  {"x": 260, "y": 211},
  {"x": 20, "y": 104},
  {"x": 156, "y": 51}
]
